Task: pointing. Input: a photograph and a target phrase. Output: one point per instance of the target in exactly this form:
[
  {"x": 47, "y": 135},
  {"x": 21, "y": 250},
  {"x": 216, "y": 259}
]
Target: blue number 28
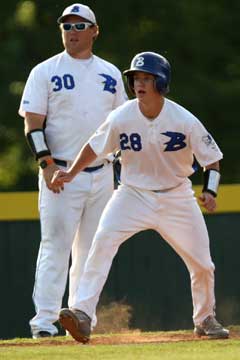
[{"x": 132, "y": 141}]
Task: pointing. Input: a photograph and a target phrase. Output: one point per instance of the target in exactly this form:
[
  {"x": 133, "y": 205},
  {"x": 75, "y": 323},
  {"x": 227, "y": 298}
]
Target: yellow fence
[
  {"x": 19, "y": 206},
  {"x": 24, "y": 205}
]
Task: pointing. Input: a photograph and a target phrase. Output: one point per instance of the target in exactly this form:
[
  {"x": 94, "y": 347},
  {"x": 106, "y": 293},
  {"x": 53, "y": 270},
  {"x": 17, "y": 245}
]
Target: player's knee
[
  {"x": 105, "y": 239},
  {"x": 203, "y": 270},
  {"x": 208, "y": 267}
]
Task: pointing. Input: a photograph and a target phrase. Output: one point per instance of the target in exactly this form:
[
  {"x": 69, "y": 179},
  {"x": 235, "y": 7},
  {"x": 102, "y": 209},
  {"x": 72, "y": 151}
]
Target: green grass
[
  {"x": 60, "y": 349},
  {"x": 212, "y": 350}
]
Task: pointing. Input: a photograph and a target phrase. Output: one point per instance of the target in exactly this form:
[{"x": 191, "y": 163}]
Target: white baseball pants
[
  {"x": 68, "y": 223},
  {"x": 176, "y": 216}
]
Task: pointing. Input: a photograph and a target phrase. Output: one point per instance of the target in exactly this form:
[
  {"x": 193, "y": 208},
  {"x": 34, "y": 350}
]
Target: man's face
[
  {"x": 77, "y": 42},
  {"x": 144, "y": 84}
]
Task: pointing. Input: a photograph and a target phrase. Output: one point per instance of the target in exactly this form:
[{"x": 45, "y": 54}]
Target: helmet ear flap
[{"x": 162, "y": 85}]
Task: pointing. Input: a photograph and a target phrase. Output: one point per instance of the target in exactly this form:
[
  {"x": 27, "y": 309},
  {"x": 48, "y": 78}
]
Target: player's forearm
[
  {"x": 214, "y": 166},
  {"x": 85, "y": 157},
  {"x": 211, "y": 178}
]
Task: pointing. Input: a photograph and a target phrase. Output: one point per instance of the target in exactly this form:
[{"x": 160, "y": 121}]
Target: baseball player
[
  {"x": 66, "y": 98},
  {"x": 158, "y": 140}
]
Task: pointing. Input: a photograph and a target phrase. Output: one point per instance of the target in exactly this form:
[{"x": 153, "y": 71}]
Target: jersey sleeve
[
  {"x": 35, "y": 94},
  {"x": 106, "y": 139},
  {"x": 203, "y": 145}
]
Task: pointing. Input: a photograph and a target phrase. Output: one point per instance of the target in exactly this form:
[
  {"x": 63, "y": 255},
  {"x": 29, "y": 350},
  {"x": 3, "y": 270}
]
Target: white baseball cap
[{"x": 79, "y": 10}]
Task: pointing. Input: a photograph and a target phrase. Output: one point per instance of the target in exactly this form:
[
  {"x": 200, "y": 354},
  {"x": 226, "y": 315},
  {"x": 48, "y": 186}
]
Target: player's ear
[{"x": 96, "y": 32}]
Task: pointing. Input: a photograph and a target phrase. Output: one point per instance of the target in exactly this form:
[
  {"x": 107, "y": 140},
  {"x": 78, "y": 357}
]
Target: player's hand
[
  {"x": 60, "y": 177},
  {"x": 208, "y": 201},
  {"x": 48, "y": 173}
]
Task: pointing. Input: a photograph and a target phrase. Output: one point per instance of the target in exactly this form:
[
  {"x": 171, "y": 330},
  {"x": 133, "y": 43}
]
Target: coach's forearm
[
  {"x": 33, "y": 121},
  {"x": 85, "y": 157}
]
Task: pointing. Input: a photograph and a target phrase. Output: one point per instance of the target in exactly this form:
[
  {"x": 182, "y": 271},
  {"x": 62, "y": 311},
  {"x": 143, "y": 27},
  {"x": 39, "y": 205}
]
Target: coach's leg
[{"x": 59, "y": 222}]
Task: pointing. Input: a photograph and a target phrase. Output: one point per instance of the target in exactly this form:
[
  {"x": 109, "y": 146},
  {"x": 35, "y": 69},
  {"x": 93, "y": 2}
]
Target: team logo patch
[
  {"x": 176, "y": 141},
  {"x": 109, "y": 83},
  {"x": 140, "y": 61},
  {"x": 209, "y": 142},
  {"x": 75, "y": 9}
]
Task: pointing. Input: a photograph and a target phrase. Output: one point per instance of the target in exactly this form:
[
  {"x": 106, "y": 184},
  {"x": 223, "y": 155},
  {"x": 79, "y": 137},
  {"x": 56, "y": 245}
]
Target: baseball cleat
[
  {"x": 210, "y": 327},
  {"x": 77, "y": 323},
  {"x": 42, "y": 334}
]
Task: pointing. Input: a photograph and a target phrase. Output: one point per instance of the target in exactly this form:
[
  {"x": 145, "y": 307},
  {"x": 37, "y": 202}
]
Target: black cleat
[
  {"x": 210, "y": 327},
  {"x": 77, "y": 323},
  {"x": 42, "y": 334}
]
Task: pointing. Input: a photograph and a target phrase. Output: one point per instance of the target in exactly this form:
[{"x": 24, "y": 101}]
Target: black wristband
[
  {"x": 37, "y": 142},
  {"x": 211, "y": 178}
]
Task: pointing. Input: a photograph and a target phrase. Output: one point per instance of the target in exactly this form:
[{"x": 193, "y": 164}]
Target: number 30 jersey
[
  {"x": 76, "y": 97},
  {"x": 156, "y": 154}
]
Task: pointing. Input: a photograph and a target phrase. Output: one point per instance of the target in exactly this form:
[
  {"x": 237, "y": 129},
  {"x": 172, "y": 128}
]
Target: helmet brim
[{"x": 132, "y": 71}]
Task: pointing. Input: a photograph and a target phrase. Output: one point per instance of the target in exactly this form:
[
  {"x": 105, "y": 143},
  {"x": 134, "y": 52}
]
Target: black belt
[{"x": 87, "y": 169}]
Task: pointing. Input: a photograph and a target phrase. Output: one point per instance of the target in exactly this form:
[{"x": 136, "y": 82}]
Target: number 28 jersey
[{"x": 156, "y": 154}]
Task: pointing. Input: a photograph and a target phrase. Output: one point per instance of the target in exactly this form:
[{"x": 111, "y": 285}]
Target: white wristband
[
  {"x": 37, "y": 142},
  {"x": 211, "y": 181}
]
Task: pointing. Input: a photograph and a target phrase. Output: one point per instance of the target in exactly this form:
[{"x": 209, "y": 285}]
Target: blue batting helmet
[{"x": 152, "y": 63}]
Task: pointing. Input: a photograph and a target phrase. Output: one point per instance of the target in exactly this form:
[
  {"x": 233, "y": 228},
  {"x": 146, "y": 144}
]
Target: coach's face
[{"x": 78, "y": 44}]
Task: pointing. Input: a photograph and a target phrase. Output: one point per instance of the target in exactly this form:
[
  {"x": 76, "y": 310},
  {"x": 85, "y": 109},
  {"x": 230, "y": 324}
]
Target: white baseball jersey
[
  {"x": 157, "y": 154},
  {"x": 76, "y": 96}
]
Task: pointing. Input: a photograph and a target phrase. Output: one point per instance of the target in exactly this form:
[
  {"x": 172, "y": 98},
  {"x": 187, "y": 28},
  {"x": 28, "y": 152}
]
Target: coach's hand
[
  {"x": 48, "y": 174},
  {"x": 60, "y": 177},
  {"x": 208, "y": 201}
]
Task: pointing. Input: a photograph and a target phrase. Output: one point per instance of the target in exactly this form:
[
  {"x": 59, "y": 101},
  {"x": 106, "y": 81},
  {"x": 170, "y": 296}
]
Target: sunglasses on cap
[{"x": 81, "y": 26}]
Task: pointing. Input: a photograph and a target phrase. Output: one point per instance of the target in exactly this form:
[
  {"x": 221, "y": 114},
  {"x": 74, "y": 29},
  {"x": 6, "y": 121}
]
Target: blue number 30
[
  {"x": 66, "y": 81},
  {"x": 134, "y": 139}
]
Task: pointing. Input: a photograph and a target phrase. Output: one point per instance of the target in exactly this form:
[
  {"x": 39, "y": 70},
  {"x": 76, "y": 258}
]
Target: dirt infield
[{"x": 135, "y": 337}]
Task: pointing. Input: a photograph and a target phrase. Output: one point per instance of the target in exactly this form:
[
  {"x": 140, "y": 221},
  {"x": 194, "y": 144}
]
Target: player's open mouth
[{"x": 141, "y": 92}]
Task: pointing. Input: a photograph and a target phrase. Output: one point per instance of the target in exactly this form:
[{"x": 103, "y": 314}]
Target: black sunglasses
[{"x": 81, "y": 26}]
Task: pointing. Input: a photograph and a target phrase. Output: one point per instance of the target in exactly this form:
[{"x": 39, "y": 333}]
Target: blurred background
[{"x": 200, "y": 38}]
